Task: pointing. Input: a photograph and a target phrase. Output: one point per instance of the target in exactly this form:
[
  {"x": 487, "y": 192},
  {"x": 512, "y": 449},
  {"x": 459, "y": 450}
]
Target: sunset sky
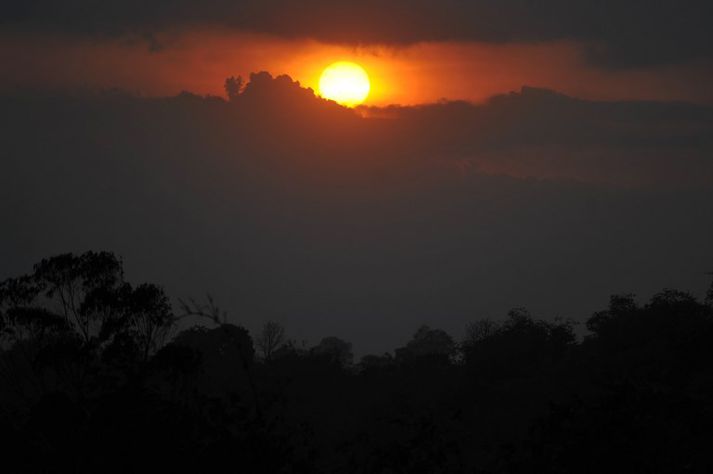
[
  {"x": 356, "y": 236},
  {"x": 414, "y": 51},
  {"x": 544, "y": 154}
]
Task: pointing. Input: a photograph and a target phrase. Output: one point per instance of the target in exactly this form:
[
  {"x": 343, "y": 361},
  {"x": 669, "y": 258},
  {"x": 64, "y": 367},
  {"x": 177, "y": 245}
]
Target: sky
[
  {"x": 630, "y": 49},
  {"x": 512, "y": 153}
]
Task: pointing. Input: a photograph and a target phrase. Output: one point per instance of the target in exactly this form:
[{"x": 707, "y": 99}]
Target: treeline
[{"x": 95, "y": 376}]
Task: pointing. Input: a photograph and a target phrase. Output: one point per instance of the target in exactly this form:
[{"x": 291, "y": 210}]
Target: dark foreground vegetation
[{"x": 97, "y": 377}]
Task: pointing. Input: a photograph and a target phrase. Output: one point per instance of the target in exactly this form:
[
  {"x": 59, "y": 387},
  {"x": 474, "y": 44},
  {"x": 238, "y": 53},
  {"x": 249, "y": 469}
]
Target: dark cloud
[
  {"x": 625, "y": 33},
  {"x": 289, "y": 207}
]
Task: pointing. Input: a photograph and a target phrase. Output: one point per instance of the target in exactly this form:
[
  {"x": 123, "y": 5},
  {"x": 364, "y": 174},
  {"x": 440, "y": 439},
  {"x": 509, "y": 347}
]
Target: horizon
[{"x": 84, "y": 91}]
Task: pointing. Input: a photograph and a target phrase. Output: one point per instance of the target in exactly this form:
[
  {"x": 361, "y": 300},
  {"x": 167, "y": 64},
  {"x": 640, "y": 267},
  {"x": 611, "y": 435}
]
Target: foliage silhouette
[
  {"x": 91, "y": 382},
  {"x": 233, "y": 87},
  {"x": 270, "y": 339}
]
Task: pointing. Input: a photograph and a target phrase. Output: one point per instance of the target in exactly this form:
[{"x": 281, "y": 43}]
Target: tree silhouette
[
  {"x": 226, "y": 342},
  {"x": 88, "y": 374},
  {"x": 430, "y": 343},
  {"x": 270, "y": 338},
  {"x": 479, "y": 331},
  {"x": 73, "y": 311},
  {"x": 234, "y": 87},
  {"x": 335, "y": 350}
]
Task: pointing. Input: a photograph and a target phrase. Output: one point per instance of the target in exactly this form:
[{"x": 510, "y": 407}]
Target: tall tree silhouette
[
  {"x": 74, "y": 310},
  {"x": 233, "y": 87},
  {"x": 270, "y": 338}
]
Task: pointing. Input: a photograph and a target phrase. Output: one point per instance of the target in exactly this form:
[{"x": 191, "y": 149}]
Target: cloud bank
[{"x": 616, "y": 34}]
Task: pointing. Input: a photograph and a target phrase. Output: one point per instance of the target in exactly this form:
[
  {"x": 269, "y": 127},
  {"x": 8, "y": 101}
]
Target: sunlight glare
[{"x": 345, "y": 82}]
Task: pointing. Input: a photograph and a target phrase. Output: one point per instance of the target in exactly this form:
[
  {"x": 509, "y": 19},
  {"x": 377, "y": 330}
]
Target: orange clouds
[{"x": 200, "y": 60}]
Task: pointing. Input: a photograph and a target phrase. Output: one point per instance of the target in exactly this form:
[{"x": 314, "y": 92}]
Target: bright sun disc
[{"x": 345, "y": 83}]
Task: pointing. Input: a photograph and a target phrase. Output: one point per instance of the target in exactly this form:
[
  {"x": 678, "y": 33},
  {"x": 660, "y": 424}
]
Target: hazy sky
[{"x": 364, "y": 225}]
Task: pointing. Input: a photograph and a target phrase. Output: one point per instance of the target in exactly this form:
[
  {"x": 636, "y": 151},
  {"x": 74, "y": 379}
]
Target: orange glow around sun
[
  {"x": 199, "y": 60},
  {"x": 345, "y": 82}
]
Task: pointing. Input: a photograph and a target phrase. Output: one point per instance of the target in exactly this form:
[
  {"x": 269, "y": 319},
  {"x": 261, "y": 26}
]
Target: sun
[{"x": 345, "y": 82}]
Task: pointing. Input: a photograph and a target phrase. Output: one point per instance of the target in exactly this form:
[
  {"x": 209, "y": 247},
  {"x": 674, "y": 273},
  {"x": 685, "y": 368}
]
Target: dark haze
[{"x": 369, "y": 223}]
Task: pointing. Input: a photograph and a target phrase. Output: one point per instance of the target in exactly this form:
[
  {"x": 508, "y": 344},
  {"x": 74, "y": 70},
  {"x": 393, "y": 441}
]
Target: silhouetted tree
[
  {"x": 270, "y": 338},
  {"x": 290, "y": 348},
  {"x": 372, "y": 362},
  {"x": 208, "y": 310},
  {"x": 233, "y": 87},
  {"x": 335, "y": 350},
  {"x": 427, "y": 342},
  {"x": 518, "y": 346},
  {"x": 479, "y": 330},
  {"x": 149, "y": 317},
  {"x": 86, "y": 376},
  {"x": 226, "y": 342},
  {"x": 73, "y": 312},
  {"x": 86, "y": 287},
  {"x": 180, "y": 367}
]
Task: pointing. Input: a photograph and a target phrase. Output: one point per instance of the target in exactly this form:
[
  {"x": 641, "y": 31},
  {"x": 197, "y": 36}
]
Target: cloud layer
[{"x": 616, "y": 34}]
